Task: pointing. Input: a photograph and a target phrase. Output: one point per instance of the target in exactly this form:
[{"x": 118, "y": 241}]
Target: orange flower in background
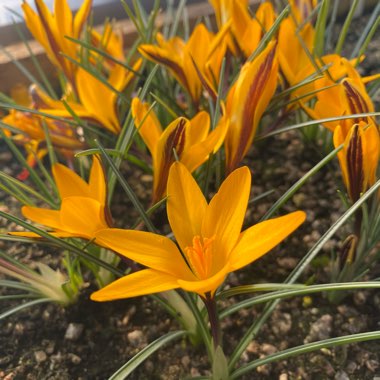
[
  {"x": 50, "y": 29},
  {"x": 302, "y": 9},
  {"x": 28, "y": 130},
  {"x": 83, "y": 210},
  {"x": 192, "y": 62},
  {"x": 209, "y": 237},
  {"x": 63, "y": 136},
  {"x": 190, "y": 140},
  {"x": 96, "y": 102},
  {"x": 248, "y": 31},
  {"x": 292, "y": 54},
  {"x": 246, "y": 103},
  {"x": 223, "y": 9},
  {"x": 359, "y": 157},
  {"x": 347, "y": 97}
]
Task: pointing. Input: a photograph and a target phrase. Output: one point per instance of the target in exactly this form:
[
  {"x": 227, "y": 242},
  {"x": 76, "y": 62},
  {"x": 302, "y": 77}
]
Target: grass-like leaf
[{"x": 145, "y": 353}]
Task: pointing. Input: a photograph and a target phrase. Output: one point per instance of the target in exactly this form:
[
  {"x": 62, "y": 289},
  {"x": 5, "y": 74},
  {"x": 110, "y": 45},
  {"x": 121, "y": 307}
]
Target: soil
[{"x": 90, "y": 341}]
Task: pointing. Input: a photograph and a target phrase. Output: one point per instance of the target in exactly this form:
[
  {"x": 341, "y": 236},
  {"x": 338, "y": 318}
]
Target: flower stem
[{"x": 210, "y": 304}]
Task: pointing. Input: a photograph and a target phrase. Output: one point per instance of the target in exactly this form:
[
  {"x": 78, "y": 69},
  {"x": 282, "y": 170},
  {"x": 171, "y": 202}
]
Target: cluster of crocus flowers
[
  {"x": 359, "y": 157},
  {"x": 51, "y": 29},
  {"x": 189, "y": 141},
  {"x": 209, "y": 238},
  {"x": 247, "y": 101},
  {"x": 83, "y": 209},
  {"x": 195, "y": 63},
  {"x": 299, "y": 63}
]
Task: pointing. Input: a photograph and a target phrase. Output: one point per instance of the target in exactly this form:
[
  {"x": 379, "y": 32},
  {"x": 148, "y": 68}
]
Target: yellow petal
[
  {"x": 154, "y": 251},
  {"x": 186, "y": 205},
  {"x": 225, "y": 214},
  {"x": 45, "y": 217},
  {"x": 98, "y": 100},
  {"x": 82, "y": 216},
  {"x": 69, "y": 183},
  {"x": 371, "y": 148},
  {"x": 262, "y": 237},
  {"x": 198, "y": 128},
  {"x": 205, "y": 286},
  {"x": 253, "y": 90},
  {"x": 81, "y": 17},
  {"x": 33, "y": 22},
  {"x": 97, "y": 183},
  {"x": 197, "y": 154},
  {"x": 167, "y": 58},
  {"x": 147, "y": 123},
  {"x": 147, "y": 281},
  {"x": 173, "y": 138},
  {"x": 339, "y": 139}
]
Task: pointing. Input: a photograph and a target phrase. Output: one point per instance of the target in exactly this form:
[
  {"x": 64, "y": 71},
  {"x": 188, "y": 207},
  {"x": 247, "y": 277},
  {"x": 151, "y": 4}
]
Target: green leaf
[
  {"x": 23, "y": 306},
  {"x": 145, "y": 353},
  {"x": 303, "y": 349},
  {"x": 255, "y": 327},
  {"x": 220, "y": 365}
]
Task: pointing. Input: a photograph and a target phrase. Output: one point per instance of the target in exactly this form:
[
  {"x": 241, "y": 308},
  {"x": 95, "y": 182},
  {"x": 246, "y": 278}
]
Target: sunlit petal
[
  {"x": 225, "y": 214},
  {"x": 154, "y": 251},
  {"x": 82, "y": 216},
  {"x": 68, "y": 182},
  {"x": 146, "y": 281},
  {"x": 262, "y": 237},
  {"x": 97, "y": 184},
  {"x": 186, "y": 205},
  {"x": 49, "y": 218}
]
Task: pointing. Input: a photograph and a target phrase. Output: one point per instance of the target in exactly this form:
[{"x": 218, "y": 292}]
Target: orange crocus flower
[
  {"x": 247, "y": 101},
  {"x": 190, "y": 140},
  {"x": 193, "y": 62},
  {"x": 347, "y": 97},
  {"x": 96, "y": 102},
  {"x": 209, "y": 237},
  {"x": 83, "y": 208},
  {"x": 50, "y": 30},
  {"x": 359, "y": 157}
]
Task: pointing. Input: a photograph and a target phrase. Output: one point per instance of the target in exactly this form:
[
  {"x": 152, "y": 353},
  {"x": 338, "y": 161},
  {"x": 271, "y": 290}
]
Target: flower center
[{"x": 199, "y": 256}]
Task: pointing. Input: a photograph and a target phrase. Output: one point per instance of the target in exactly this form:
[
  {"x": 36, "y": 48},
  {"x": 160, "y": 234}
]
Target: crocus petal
[
  {"x": 45, "y": 217},
  {"x": 210, "y": 284},
  {"x": 147, "y": 123},
  {"x": 68, "y": 182},
  {"x": 198, "y": 128},
  {"x": 339, "y": 139},
  {"x": 154, "y": 251},
  {"x": 186, "y": 205},
  {"x": 262, "y": 237},
  {"x": 146, "y": 281},
  {"x": 81, "y": 17},
  {"x": 97, "y": 184},
  {"x": 225, "y": 214},
  {"x": 82, "y": 216},
  {"x": 252, "y": 92},
  {"x": 198, "y": 153},
  {"x": 173, "y": 138},
  {"x": 101, "y": 108}
]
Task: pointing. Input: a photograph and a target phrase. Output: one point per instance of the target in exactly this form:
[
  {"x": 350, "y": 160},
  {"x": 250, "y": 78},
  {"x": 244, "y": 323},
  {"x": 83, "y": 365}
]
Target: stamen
[{"x": 199, "y": 256}]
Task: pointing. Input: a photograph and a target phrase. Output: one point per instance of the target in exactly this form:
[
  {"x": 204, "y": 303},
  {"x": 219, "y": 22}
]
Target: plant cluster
[{"x": 186, "y": 105}]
